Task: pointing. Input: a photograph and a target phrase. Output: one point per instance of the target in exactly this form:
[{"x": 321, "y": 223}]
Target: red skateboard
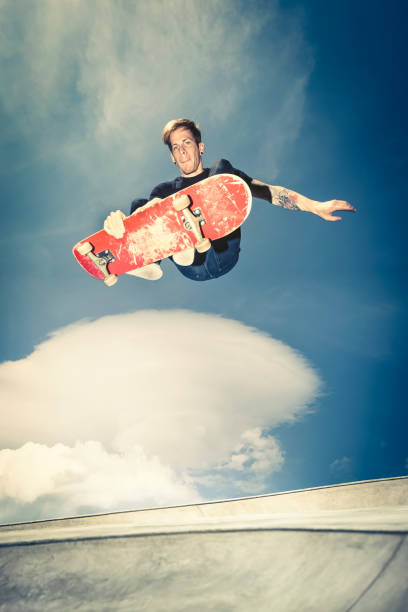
[{"x": 193, "y": 216}]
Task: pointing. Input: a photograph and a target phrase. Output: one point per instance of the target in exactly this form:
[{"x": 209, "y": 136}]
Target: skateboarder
[{"x": 183, "y": 137}]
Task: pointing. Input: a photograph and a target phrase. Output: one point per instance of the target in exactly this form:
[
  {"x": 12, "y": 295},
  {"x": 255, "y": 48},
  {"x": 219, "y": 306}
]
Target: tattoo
[{"x": 285, "y": 200}]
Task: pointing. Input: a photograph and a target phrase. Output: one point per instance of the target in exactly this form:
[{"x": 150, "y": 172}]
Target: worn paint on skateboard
[{"x": 194, "y": 216}]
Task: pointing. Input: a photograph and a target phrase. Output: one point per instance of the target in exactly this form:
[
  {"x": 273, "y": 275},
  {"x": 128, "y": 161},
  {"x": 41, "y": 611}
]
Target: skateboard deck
[{"x": 194, "y": 216}]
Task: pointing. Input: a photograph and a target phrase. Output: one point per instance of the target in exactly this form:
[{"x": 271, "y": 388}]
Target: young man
[{"x": 183, "y": 137}]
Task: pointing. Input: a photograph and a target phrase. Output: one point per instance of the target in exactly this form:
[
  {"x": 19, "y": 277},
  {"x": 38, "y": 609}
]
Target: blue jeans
[{"x": 224, "y": 252}]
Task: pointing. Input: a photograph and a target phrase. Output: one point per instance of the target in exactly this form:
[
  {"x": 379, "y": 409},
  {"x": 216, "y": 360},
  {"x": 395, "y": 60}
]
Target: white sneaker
[
  {"x": 185, "y": 258},
  {"x": 150, "y": 272}
]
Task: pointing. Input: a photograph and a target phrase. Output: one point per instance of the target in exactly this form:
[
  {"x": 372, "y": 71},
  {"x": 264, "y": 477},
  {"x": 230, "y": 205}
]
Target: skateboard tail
[{"x": 86, "y": 262}]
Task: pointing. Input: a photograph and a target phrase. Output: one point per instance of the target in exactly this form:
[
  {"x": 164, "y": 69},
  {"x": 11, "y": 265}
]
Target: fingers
[
  {"x": 114, "y": 225},
  {"x": 326, "y": 209},
  {"x": 342, "y": 205},
  {"x": 331, "y": 218}
]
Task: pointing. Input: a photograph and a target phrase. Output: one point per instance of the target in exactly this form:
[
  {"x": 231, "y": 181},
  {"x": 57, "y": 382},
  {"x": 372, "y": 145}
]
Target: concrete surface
[{"x": 342, "y": 548}]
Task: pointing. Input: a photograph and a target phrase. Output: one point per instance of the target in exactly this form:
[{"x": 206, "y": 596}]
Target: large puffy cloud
[{"x": 147, "y": 408}]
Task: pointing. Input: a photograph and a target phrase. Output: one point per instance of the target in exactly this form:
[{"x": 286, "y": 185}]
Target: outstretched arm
[{"x": 286, "y": 198}]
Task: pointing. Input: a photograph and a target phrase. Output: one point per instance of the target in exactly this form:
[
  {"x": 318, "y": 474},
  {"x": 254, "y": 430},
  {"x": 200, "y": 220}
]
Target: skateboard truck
[
  {"x": 192, "y": 220},
  {"x": 101, "y": 261}
]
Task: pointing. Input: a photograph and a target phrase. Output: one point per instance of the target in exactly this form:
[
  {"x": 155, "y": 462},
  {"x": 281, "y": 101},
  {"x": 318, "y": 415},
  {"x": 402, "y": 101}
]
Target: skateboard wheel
[
  {"x": 110, "y": 280},
  {"x": 181, "y": 202},
  {"x": 85, "y": 248},
  {"x": 203, "y": 245}
]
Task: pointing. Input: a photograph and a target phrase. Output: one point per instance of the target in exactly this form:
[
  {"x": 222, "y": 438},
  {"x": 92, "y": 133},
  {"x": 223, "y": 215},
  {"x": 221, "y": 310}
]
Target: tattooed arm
[{"x": 286, "y": 198}]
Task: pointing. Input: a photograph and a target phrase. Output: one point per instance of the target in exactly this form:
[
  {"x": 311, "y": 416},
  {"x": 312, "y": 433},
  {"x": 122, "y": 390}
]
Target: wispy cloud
[
  {"x": 93, "y": 83},
  {"x": 116, "y": 412},
  {"x": 342, "y": 467},
  {"x": 98, "y": 77}
]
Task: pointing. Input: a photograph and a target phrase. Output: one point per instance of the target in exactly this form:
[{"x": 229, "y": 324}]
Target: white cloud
[
  {"x": 134, "y": 410},
  {"x": 86, "y": 475},
  {"x": 98, "y": 76},
  {"x": 92, "y": 84},
  {"x": 256, "y": 453},
  {"x": 342, "y": 466},
  {"x": 253, "y": 460}
]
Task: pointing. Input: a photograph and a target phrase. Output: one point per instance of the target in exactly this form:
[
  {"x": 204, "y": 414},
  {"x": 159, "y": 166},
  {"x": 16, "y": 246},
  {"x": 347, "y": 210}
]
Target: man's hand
[
  {"x": 114, "y": 225},
  {"x": 325, "y": 210}
]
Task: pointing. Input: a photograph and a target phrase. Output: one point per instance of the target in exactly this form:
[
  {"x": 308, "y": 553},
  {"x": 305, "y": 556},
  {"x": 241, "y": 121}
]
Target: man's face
[{"x": 185, "y": 152}]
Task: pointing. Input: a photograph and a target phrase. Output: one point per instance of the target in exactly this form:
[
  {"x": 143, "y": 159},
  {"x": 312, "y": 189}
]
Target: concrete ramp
[{"x": 326, "y": 549}]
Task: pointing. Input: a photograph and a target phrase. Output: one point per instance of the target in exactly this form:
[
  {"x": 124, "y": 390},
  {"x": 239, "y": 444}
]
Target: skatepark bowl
[{"x": 341, "y": 547}]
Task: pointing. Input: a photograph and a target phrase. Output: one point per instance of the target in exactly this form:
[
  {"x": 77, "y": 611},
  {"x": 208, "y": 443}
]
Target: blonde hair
[{"x": 174, "y": 124}]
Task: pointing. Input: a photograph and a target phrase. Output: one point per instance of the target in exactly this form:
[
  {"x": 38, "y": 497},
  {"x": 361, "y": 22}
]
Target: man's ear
[
  {"x": 201, "y": 147},
  {"x": 173, "y": 159}
]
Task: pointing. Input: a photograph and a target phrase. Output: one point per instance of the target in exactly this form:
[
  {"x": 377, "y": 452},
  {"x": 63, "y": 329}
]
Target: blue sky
[{"x": 288, "y": 372}]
